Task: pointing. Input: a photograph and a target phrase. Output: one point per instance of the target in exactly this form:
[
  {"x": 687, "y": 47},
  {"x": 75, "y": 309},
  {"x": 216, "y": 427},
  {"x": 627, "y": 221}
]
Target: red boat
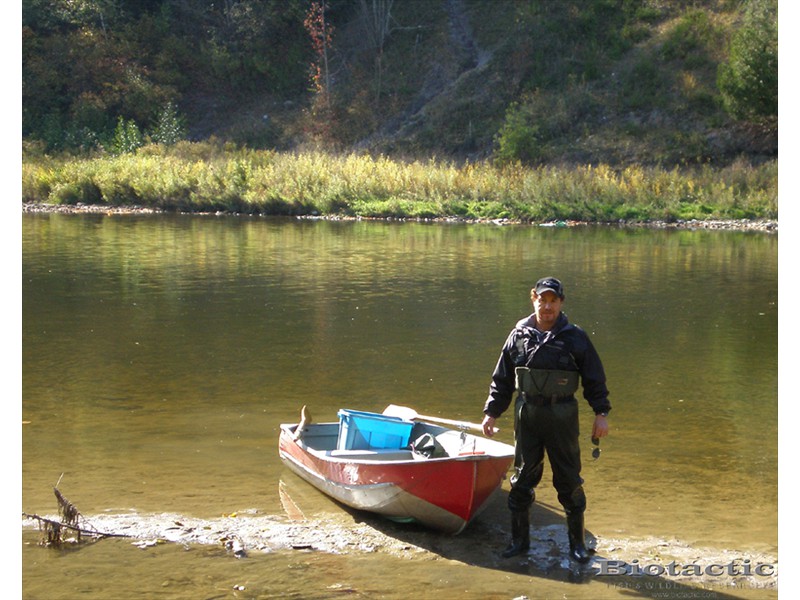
[{"x": 403, "y": 469}]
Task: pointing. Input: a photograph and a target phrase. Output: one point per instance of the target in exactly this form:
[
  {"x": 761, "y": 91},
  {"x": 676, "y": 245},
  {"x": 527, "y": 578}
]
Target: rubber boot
[
  {"x": 577, "y": 538},
  {"x": 520, "y": 534}
]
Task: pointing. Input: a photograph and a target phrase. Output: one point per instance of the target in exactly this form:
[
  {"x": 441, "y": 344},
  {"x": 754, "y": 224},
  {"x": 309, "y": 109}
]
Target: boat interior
[{"x": 426, "y": 442}]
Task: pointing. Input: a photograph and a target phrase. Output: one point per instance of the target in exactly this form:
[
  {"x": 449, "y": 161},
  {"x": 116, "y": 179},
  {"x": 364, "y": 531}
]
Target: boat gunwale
[{"x": 327, "y": 455}]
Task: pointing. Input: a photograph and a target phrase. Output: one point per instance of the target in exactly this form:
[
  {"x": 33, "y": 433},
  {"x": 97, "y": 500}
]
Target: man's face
[{"x": 546, "y": 307}]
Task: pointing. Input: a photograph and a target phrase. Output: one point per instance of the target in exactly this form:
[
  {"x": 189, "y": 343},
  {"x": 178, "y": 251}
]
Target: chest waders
[
  {"x": 540, "y": 388},
  {"x": 546, "y": 384},
  {"x": 539, "y": 383}
]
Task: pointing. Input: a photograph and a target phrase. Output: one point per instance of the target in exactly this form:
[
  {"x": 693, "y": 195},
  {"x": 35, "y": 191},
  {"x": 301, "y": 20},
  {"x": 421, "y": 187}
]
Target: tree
[
  {"x": 127, "y": 137},
  {"x": 518, "y": 138},
  {"x": 748, "y": 81},
  {"x": 82, "y": 69},
  {"x": 321, "y": 33},
  {"x": 169, "y": 128},
  {"x": 377, "y": 15},
  {"x": 256, "y": 45}
]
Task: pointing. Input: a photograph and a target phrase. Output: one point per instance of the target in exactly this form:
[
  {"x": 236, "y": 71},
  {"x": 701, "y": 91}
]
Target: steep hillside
[
  {"x": 586, "y": 82},
  {"x": 539, "y": 81}
]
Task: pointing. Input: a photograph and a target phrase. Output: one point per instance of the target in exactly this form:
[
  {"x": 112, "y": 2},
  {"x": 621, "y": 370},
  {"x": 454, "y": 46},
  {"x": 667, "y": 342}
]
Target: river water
[{"x": 160, "y": 354}]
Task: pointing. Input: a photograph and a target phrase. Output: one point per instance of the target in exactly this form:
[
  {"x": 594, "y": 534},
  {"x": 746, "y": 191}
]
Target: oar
[{"x": 405, "y": 412}]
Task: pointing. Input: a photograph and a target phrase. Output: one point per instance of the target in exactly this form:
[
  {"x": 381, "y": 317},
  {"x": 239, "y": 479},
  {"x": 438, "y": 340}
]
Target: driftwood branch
[
  {"x": 59, "y": 525},
  {"x": 72, "y": 520}
]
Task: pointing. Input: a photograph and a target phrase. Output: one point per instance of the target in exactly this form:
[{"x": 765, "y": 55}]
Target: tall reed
[{"x": 203, "y": 177}]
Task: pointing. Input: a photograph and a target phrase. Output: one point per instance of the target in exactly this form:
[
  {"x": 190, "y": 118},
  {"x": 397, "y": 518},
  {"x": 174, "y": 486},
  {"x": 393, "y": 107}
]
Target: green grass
[{"x": 202, "y": 177}]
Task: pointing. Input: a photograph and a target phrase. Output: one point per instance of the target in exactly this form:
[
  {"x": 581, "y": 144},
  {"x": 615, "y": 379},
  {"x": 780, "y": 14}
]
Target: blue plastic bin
[{"x": 364, "y": 430}]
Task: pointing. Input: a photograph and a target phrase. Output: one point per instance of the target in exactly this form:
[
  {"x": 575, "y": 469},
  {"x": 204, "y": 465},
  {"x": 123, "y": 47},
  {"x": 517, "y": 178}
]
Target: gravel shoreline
[
  {"x": 251, "y": 532},
  {"x": 765, "y": 226}
]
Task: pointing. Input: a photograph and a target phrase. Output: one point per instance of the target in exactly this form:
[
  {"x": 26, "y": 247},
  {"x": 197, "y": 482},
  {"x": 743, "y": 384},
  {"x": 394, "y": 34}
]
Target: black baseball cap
[{"x": 549, "y": 284}]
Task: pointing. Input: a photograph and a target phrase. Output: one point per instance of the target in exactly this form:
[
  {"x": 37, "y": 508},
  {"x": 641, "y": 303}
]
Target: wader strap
[{"x": 519, "y": 405}]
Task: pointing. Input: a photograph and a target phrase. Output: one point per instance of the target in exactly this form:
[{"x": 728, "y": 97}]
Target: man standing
[{"x": 543, "y": 359}]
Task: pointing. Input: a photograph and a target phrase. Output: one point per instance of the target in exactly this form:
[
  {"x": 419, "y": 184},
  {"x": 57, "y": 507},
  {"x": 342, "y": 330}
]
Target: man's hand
[
  {"x": 488, "y": 426},
  {"x": 600, "y": 427}
]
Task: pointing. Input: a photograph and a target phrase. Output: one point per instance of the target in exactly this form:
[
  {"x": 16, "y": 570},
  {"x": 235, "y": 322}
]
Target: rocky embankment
[{"x": 766, "y": 226}]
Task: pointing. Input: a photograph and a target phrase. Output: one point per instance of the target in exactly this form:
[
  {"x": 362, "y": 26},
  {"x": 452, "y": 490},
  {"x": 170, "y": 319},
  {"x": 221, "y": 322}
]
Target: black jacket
[{"x": 565, "y": 347}]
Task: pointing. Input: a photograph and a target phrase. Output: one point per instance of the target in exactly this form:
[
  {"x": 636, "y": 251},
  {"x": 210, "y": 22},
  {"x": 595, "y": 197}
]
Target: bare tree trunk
[
  {"x": 327, "y": 72},
  {"x": 377, "y": 15}
]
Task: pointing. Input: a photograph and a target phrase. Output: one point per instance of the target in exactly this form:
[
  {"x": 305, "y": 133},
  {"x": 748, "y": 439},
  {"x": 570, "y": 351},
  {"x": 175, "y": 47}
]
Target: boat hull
[{"x": 442, "y": 493}]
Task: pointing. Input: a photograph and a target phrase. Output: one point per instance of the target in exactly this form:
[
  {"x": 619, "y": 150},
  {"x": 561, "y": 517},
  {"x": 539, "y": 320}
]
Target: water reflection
[{"x": 161, "y": 352}]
